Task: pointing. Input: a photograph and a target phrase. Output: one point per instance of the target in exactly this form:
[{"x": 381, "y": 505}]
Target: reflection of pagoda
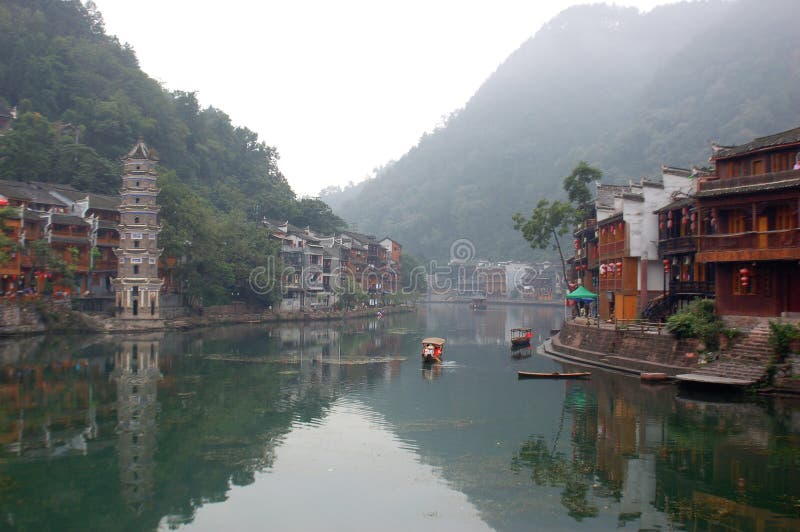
[{"x": 136, "y": 374}]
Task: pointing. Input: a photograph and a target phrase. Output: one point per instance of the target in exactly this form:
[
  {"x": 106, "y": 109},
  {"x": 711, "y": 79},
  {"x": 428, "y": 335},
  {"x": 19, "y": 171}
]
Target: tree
[
  {"x": 576, "y": 186},
  {"x": 7, "y": 245},
  {"x": 550, "y": 221}
]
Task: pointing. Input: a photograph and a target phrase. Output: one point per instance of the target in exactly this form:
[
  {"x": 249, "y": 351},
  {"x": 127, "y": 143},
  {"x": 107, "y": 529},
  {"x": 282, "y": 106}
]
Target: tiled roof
[
  {"x": 747, "y": 189},
  {"x": 106, "y": 224},
  {"x": 29, "y": 192},
  {"x": 70, "y": 239},
  {"x": 68, "y": 219},
  {"x": 677, "y": 204},
  {"x": 607, "y": 193},
  {"x": 789, "y": 137}
]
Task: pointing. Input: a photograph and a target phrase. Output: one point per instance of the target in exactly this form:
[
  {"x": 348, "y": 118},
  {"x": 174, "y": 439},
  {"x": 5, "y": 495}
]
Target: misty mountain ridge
[{"x": 623, "y": 90}]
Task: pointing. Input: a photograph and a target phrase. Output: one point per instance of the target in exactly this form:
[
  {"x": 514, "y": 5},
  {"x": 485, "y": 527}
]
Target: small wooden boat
[
  {"x": 432, "y": 349},
  {"x": 521, "y": 336},
  {"x": 479, "y": 303},
  {"x": 653, "y": 377},
  {"x": 553, "y": 375}
]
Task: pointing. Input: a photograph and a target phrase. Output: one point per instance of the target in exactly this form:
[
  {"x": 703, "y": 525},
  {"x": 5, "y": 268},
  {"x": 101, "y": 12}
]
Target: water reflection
[
  {"x": 219, "y": 427},
  {"x": 136, "y": 374}
]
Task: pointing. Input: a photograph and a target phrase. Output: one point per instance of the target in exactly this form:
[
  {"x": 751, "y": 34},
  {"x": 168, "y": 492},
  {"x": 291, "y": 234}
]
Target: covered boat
[
  {"x": 479, "y": 303},
  {"x": 432, "y": 349},
  {"x": 521, "y": 337}
]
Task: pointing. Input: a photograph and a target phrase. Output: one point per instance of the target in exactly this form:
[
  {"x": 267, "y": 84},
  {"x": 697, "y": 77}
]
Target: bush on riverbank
[{"x": 698, "y": 320}]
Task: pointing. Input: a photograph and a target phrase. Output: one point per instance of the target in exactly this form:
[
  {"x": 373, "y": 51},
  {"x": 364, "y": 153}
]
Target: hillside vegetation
[
  {"x": 59, "y": 67},
  {"x": 624, "y": 91}
]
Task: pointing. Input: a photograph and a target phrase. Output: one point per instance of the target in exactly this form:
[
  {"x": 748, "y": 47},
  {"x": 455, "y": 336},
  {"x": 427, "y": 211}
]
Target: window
[
  {"x": 136, "y": 220},
  {"x": 136, "y": 243},
  {"x": 137, "y": 200},
  {"x": 757, "y": 167},
  {"x": 737, "y": 223},
  {"x": 135, "y": 269},
  {"x": 780, "y": 162},
  {"x": 137, "y": 183},
  {"x": 784, "y": 217}
]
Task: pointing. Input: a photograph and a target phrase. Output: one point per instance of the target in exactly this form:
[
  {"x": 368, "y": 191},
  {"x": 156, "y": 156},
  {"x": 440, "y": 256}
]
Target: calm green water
[{"x": 340, "y": 427}]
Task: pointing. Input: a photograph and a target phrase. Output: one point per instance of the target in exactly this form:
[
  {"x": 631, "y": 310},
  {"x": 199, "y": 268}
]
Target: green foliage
[
  {"x": 412, "y": 275},
  {"x": 781, "y": 336},
  {"x": 351, "y": 294},
  {"x": 576, "y": 186},
  {"x": 7, "y": 245},
  {"x": 550, "y": 221},
  {"x": 698, "y": 320},
  {"x": 46, "y": 259}
]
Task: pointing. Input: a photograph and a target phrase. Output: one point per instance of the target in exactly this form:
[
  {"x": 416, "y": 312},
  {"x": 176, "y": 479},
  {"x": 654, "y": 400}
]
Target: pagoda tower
[{"x": 137, "y": 285}]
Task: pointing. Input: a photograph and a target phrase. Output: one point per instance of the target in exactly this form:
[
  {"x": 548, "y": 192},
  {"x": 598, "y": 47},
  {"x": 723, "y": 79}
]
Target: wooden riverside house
[{"x": 749, "y": 225}]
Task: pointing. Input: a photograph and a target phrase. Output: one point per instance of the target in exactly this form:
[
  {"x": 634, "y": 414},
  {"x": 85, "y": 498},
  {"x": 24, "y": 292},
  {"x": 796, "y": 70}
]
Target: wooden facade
[{"x": 749, "y": 225}]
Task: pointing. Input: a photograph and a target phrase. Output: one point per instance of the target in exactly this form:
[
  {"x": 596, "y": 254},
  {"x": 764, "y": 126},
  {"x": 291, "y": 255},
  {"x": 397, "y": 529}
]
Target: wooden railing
[
  {"x": 638, "y": 325},
  {"x": 691, "y": 287},
  {"x": 761, "y": 179},
  {"x": 672, "y": 245},
  {"x": 778, "y": 239}
]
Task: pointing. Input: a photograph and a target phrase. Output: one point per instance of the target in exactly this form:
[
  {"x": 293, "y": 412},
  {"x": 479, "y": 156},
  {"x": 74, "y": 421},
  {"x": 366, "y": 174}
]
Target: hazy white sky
[{"x": 339, "y": 87}]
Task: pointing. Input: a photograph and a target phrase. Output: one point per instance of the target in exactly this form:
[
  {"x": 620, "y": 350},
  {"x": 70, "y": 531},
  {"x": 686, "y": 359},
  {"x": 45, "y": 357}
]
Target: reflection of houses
[
  {"x": 136, "y": 375},
  {"x": 749, "y": 225}
]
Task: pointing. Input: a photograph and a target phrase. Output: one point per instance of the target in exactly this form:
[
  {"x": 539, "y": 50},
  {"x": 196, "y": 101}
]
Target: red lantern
[
  {"x": 685, "y": 211},
  {"x": 577, "y": 244},
  {"x": 661, "y": 226},
  {"x": 666, "y": 265},
  {"x": 745, "y": 276},
  {"x": 692, "y": 227},
  {"x": 621, "y": 226},
  {"x": 669, "y": 224},
  {"x": 619, "y": 268}
]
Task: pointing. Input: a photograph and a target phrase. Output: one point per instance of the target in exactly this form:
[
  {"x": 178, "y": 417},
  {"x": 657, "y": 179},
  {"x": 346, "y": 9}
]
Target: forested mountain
[
  {"x": 58, "y": 67},
  {"x": 624, "y": 91}
]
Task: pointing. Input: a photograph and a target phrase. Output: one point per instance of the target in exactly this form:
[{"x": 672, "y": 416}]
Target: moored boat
[
  {"x": 521, "y": 336},
  {"x": 553, "y": 375},
  {"x": 479, "y": 303},
  {"x": 432, "y": 349},
  {"x": 653, "y": 377}
]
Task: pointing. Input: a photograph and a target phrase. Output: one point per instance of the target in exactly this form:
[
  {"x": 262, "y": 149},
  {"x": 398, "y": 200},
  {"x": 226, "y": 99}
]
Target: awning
[{"x": 582, "y": 294}]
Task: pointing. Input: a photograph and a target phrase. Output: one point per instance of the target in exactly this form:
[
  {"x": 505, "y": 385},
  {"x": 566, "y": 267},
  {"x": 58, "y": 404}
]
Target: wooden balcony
[
  {"x": 681, "y": 244},
  {"x": 781, "y": 244},
  {"x": 699, "y": 288},
  {"x": 708, "y": 185},
  {"x": 612, "y": 249}
]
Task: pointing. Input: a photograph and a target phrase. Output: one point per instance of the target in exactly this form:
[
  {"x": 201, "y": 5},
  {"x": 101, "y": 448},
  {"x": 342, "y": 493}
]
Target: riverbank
[
  {"x": 747, "y": 364},
  {"x": 57, "y": 317}
]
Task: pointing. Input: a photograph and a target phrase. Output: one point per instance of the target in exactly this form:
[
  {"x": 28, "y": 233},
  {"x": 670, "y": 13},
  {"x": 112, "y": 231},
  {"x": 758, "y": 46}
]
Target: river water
[{"x": 340, "y": 427}]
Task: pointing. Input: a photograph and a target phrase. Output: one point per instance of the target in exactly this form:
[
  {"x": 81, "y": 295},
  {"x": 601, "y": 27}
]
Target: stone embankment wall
[
  {"x": 627, "y": 350},
  {"x": 20, "y": 319}
]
